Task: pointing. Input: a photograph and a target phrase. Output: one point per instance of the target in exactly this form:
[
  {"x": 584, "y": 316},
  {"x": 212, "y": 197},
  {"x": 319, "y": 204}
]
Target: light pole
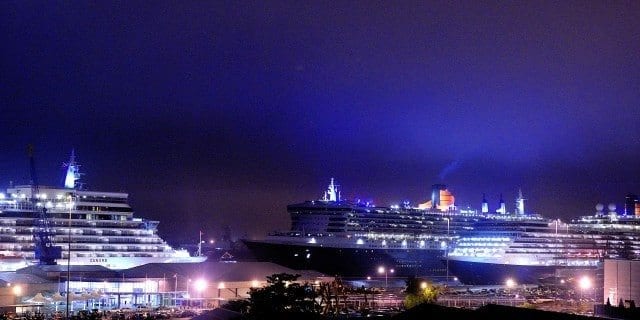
[
  {"x": 70, "y": 207},
  {"x": 175, "y": 291},
  {"x": 188, "y": 295},
  {"x": 17, "y": 291},
  {"x": 200, "y": 285},
  {"x": 447, "y": 250},
  {"x": 510, "y": 283},
  {"x": 381, "y": 270},
  {"x": 585, "y": 284}
]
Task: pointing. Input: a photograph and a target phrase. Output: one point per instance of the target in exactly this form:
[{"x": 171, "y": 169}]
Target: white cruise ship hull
[{"x": 114, "y": 263}]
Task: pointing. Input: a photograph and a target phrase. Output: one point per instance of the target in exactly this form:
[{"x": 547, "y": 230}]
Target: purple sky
[{"x": 222, "y": 113}]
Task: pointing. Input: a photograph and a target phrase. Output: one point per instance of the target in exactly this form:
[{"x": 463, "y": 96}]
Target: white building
[{"x": 621, "y": 281}]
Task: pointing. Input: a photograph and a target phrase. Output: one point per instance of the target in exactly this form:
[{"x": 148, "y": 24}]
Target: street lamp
[
  {"x": 585, "y": 284},
  {"x": 510, "y": 284},
  {"x": 188, "y": 296},
  {"x": 200, "y": 285},
  {"x": 149, "y": 288},
  {"x": 381, "y": 270},
  {"x": 447, "y": 249},
  {"x": 17, "y": 290},
  {"x": 70, "y": 207},
  {"x": 175, "y": 290},
  {"x": 447, "y": 219}
]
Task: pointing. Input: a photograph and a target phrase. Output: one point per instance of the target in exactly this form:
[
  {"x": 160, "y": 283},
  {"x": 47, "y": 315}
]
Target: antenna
[
  {"x": 332, "y": 193},
  {"x": 73, "y": 173}
]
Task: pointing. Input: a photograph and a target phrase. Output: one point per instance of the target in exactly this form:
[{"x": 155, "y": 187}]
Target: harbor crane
[{"x": 45, "y": 251}]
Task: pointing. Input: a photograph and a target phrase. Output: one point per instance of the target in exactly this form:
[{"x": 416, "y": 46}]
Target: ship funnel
[
  {"x": 485, "y": 204},
  {"x": 441, "y": 199},
  {"x": 631, "y": 204},
  {"x": 503, "y": 208},
  {"x": 435, "y": 195}
]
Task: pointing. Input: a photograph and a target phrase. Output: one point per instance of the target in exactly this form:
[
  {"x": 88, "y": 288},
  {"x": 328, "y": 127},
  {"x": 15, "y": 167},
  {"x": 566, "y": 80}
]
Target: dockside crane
[{"x": 45, "y": 251}]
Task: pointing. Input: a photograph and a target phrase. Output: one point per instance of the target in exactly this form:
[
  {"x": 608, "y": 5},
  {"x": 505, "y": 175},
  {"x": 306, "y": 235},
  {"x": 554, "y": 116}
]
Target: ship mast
[
  {"x": 332, "y": 193},
  {"x": 485, "y": 204},
  {"x": 73, "y": 172},
  {"x": 502, "y": 209},
  {"x": 199, "y": 253}
]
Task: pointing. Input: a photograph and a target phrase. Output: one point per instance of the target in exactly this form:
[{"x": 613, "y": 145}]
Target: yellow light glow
[
  {"x": 200, "y": 285},
  {"x": 585, "y": 282},
  {"x": 510, "y": 283}
]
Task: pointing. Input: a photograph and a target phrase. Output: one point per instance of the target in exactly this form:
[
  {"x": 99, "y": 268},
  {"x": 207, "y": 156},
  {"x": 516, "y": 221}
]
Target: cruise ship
[
  {"x": 354, "y": 239},
  {"x": 526, "y": 249},
  {"x": 90, "y": 227}
]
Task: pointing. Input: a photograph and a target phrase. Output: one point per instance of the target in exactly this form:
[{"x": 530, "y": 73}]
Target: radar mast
[
  {"x": 73, "y": 173},
  {"x": 332, "y": 193}
]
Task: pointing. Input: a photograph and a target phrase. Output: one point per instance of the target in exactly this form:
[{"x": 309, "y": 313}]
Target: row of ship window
[
  {"x": 123, "y": 224},
  {"x": 103, "y": 208},
  {"x": 30, "y": 248},
  {"x": 109, "y": 233},
  {"x": 63, "y": 238},
  {"x": 137, "y": 255},
  {"x": 29, "y": 207},
  {"x": 103, "y": 199}
]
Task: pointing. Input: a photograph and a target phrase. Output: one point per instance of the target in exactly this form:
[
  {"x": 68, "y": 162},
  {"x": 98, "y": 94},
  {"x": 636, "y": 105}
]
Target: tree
[
  {"x": 240, "y": 305},
  {"x": 420, "y": 291},
  {"x": 330, "y": 294},
  {"x": 282, "y": 298}
]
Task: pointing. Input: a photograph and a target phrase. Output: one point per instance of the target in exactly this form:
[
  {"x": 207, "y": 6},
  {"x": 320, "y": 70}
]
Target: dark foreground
[
  {"x": 491, "y": 311},
  {"x": 426, "y": 311}
]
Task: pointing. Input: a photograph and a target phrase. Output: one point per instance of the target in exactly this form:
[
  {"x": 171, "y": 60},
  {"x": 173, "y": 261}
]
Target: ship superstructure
[
  {"x": 526, "y": 248},
  {"x": 336, "y": 236},
  {"x": 615, "y": 236},
  {"x": 354, "y": 238},
  {"x": 92, "y": 227}
]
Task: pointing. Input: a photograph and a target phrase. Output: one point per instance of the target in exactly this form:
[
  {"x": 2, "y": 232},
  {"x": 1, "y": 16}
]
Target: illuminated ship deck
[
  {"x": 527, "y": 253},
  {"x": 92, "y": 227},
  {"x": 353, "y": 238}
]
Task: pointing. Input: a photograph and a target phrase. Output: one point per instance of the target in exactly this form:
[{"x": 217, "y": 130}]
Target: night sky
[{"x": 215, "y": 113}]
